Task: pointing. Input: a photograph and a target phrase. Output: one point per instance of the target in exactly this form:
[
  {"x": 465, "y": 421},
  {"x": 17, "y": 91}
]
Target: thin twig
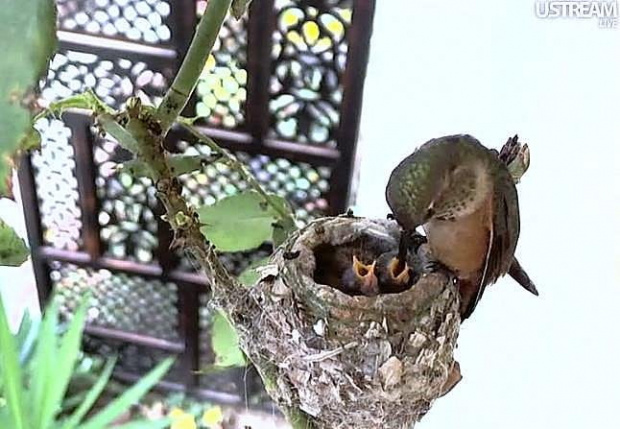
[
  {"x": 232, "y": 162},
  {"x": 318, "y": 357}
]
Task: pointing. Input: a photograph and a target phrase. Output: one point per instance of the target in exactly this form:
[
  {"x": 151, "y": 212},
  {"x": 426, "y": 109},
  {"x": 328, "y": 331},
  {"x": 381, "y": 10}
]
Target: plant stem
[
  {"x": 295, "y": 417},
  {"x": 285, "y": 215},
  {"x": 187, "y": 77},
  {"x": 298, "y": 419}
]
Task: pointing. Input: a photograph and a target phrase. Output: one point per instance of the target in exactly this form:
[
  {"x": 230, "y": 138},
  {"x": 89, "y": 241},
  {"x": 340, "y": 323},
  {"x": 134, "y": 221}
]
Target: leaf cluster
[{"x": 36, "y": 367}]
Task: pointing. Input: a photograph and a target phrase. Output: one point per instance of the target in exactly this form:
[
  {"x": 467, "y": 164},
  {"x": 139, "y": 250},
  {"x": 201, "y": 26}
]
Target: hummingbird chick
[
  {"x": 360, "y": 277},
  {"x": 396, "y": 274},
  {"x": 465, "y": 199},
  {"x": 394, "y": 271}
]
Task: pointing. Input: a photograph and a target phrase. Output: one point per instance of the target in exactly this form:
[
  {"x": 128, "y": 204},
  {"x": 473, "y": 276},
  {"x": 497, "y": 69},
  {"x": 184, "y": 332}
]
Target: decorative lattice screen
[{"x": 282, "y": 90}]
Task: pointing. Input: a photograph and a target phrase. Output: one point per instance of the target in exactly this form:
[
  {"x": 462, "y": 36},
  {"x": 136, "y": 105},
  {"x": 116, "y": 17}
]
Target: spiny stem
[
  {"x": 243, "y": 172},
  {"x": 187, "y": 77},
  {"x": 182, "y": 218}
]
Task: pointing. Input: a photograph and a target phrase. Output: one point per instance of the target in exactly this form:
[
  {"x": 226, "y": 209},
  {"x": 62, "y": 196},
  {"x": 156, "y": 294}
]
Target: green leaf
[
  {"x": 42, "y": 367},
  {"x": 183, "y": 164},
  {"x": 225, "y": 342},
  {"x": 13, "y": 249},
  {"x": 282, "y": 205},
  {"x": 239, "y": 222},
  {"x": 129, "y": 397},
  {"x": 279, "y": 233},
  {"x": 285, "y": 225},
  {"x": 86, "y": 100},
  {"x": 24, "y": 329},
  {"x": 5, "y": 418},
  {"x": 124, "y": 137},
  {"x": 12, "y": 391},
  {"x": 31, "y": 140},
  {"x": 249, "y": 276},
  {"x": 66, "y": 358},
  {"x": 26, "y": 337},
  {"x": 27, "y": 42},
  {"x": 49, "y": 372},
  {"x": 136, "y": 168},
  {"x": 91, "y": 396}
]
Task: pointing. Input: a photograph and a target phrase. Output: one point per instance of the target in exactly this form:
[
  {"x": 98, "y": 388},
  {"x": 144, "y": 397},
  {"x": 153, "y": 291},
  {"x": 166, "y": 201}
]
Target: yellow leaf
[
  {"x": 213, "y": 416},
  {"x": 311, "y": 31}
]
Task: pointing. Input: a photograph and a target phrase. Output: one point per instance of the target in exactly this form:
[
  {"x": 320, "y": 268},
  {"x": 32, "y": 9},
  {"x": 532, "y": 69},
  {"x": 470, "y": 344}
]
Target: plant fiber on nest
[{"x": 332, "y": 360}]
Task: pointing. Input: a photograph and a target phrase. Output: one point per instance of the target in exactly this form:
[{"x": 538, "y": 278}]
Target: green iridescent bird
[{"x": 464, "y": 196}]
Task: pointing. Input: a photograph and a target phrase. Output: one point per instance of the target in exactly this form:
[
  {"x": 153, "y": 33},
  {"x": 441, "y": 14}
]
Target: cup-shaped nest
[{"x": 332, "y": 359}]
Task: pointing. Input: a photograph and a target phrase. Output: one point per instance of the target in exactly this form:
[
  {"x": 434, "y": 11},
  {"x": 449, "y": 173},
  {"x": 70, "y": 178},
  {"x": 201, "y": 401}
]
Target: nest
[{"x": 332, "y": 359}]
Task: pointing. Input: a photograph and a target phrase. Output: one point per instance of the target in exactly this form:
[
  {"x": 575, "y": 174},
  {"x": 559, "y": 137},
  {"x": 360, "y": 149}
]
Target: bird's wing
[
  {"x": 473, "y": 289},
  {"x": 506, "y": 225},
  {"x": 503, "y": 236}
]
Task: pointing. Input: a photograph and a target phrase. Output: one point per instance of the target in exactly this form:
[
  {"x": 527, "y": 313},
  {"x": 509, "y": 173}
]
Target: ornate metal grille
[{"x": 282, "y": 90}]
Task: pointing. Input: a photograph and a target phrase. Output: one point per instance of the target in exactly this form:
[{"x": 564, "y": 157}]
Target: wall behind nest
[{"x": 493, "y": 69}]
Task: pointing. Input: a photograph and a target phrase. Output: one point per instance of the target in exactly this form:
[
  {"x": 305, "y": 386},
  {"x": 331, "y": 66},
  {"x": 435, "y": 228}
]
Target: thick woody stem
[{"x": 182, "y": 218}]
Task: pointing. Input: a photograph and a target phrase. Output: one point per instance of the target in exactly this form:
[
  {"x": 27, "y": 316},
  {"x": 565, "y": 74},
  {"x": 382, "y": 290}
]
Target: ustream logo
[{"x": 606, "y": 12}]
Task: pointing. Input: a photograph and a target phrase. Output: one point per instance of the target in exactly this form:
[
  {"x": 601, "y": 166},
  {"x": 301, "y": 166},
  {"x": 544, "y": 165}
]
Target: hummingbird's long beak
[{"x": 517, "y": 272}]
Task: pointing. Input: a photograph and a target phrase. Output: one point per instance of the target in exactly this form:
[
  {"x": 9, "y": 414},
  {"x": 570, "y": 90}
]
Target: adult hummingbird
[{"x": 464, "y": 197}]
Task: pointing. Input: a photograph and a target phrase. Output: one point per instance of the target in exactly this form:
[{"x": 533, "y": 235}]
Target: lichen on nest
[{"x": 333, "y": 360}]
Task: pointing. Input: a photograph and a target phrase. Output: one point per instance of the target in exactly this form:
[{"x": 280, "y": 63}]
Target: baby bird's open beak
[
  {"x": 365, "y": 277},
  {"x": 398, "y": 272}
]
